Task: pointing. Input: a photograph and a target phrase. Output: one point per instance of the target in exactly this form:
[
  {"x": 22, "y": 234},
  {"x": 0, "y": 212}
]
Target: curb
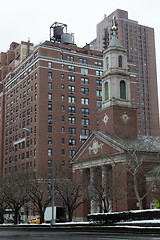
[{"x": 135, "y": 230}]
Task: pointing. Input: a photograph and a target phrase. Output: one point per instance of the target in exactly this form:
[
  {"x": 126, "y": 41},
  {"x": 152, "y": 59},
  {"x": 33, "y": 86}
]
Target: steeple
[
  {"x": 116, "y": 79},
  {"x": 117, "y": 106},
  {"x": 114, "y": 41}
]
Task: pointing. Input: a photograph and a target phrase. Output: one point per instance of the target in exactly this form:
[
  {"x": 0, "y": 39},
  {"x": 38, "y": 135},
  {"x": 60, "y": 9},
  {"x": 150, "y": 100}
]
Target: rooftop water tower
[{"x": 58, "y": 33}]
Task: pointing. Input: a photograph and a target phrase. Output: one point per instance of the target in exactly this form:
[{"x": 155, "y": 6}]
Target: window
[
  {"x": 71, "y": 99},
  {"x": 49, "y": 65},
  {"x": 49, "y": 163},
  {"x": 98, "y": 83},
  {"x": 98, "y": 63},
  {"x": 28, "y": 101},
  {"x": 72, "y": 131},
  {"x": 71, "y": 110},
  {"x": 99, "y": 73},
  {"x": 63, "y": 163},
  {"x": 62, "y": 118},
  {"x": 62, "y": 152},
  {"x": 24, "y": 94},
  {"x": 85, "y": 132},
  {"x": 49, "y": 86},
  {"x": 71, "y": 68},
  {"x": 107, "y": 62},
  {"x": 122, "y": 90},
  {"x": 85, "y": 101},
  {"x": 28, "y": 81},
  {"x": 24, "y": 104},
  {"x": 99, "y": 93},
  {"x": 71, "y": 78},
  {"x": 70, "y": 58},
  {"x": 50, "y": 107},
  {"x": 36, "y": 54},
  {"x": 27, "y": 155},
  {"x": 49, "y": 96},
  {"x": 71, "y": 120},
  {"x": 84, "y": 122},
  {"x": 49, "y": 152},
  {"x": 17, "y": 89},
  {"x": 85, "y": 111},
  {"x": 72, "y": 142},
  {"x": 50, "y": 119},
  {"x": 84, "y": 81},
  {"x": 71, "y": 89},
  {"x": 28, "y": 91},
  {"x": 49, "y": 141},
  {"x": 7, "y": 106},
  {"x": 49, "y": 129},
  {"x": 71, "y": 153},
  {"x": 23, "y": 156},
  {"x": 82, "y": 60},
  {"x": 28, "y": 122},
  {"x": 49, "y": 75},
  {"x": 27, "y": 143},
  {"x": 106, "y": 91},
  {"x": 85, "y": 91},
  {"x": 62, "y": 76},
  {"x": 84, "y": 71},
  {"x": 62, "y": 129},
  {"x": 24, "y": 113},
  {"x": 24, "y": 84}
]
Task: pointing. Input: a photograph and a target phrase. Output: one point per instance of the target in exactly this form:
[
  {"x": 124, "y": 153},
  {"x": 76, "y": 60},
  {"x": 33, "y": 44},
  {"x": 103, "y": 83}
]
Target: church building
[{"x": 114, "y": 161}]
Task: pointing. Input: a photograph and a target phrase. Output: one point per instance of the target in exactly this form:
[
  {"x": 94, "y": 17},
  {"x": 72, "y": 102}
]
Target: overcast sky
[{"x": 20, "y": 20}]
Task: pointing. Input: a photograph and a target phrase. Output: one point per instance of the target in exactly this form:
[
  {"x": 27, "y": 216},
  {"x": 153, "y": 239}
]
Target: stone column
[
  {"x": 92, "y": 179},
  {"x": 107, "y": 186},
  {"x": 104, "y": 187}
]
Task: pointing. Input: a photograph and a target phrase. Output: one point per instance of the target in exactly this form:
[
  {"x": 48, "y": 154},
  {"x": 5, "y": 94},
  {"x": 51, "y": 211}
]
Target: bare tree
[
  {"x": 71, "y": 193},
  {"x": 3, "y": 206},
  {"x": 14, "y": 192},
  {"x": 39, "y": 192},
  {"x": 105, "y": 190},
  {"x": 101, "y": 193},
  {"x": 137, "y": 162}
]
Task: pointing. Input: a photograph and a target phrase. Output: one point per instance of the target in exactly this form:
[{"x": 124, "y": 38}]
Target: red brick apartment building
[
  {"x": 139, "y": 41},
  {"x": 53, "y": 89}
]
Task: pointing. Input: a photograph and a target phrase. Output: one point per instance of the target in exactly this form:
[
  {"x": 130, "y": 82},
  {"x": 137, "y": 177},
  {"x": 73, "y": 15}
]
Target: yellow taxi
[{"x": 35, "y": 220}]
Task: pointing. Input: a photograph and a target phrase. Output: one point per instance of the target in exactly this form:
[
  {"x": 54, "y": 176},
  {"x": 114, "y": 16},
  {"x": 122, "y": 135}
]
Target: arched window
[
  {"x": 106, "y": 91},
  {"x": 120, "y": 61},
  {"x": 122, "y": 90},
  {"x": 107, "y": 62}
]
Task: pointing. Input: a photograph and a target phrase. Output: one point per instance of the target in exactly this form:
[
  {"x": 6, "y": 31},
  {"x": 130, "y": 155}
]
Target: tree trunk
[
  {"x": 140, "y": 204},
  {"x": 16, "y": 217},
  {"x": 70, "y": 215},
  {"x": 42, "y": 217}
]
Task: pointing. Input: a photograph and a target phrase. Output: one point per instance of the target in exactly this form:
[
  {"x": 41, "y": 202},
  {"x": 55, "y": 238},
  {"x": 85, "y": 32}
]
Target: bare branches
[{"x": 70, "y": 193}]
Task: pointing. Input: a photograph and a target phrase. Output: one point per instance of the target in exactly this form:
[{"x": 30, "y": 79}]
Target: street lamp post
[{"x": 42, "y": 135}]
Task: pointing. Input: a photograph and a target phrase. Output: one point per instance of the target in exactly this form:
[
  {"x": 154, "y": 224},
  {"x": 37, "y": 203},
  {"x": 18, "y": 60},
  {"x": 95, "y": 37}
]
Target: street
[{"x": 44, "y": 235}]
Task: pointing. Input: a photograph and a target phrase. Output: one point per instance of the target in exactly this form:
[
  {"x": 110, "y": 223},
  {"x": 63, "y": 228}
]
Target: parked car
[
  {"x": 35, "y": 220},
  {"x": 10, "y": 220}
]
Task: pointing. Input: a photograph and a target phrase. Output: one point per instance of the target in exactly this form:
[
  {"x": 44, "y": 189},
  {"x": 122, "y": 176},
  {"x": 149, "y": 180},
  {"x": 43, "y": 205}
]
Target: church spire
[{"x": 117, "y": 112}]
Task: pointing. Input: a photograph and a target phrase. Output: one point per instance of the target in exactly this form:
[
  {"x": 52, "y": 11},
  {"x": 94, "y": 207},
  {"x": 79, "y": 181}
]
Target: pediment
[{"x": 96, "y": 146}]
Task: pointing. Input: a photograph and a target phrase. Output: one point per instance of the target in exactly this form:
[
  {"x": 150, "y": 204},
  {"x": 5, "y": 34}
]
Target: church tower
[{"x": 117, "y": 115}]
